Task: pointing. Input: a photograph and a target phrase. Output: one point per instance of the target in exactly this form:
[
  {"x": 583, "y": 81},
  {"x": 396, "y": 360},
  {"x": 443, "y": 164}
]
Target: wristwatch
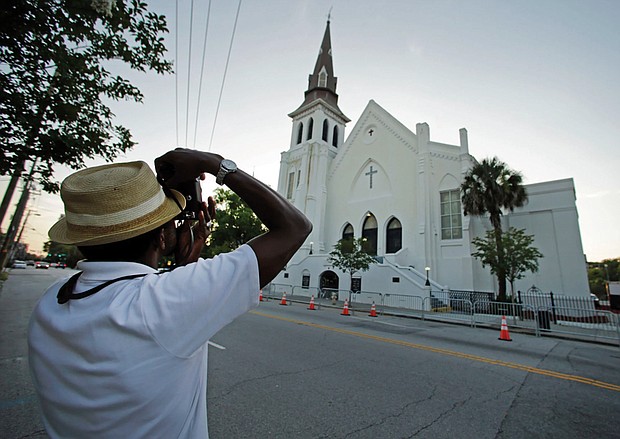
[{"x": 226, "y": 167}]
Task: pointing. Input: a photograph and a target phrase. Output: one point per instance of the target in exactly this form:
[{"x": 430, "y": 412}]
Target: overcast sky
[{"x": 535, "y": 82}]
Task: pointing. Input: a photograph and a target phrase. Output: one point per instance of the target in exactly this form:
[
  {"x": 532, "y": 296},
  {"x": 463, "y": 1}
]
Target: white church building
[{"x": 399, "y": 189}]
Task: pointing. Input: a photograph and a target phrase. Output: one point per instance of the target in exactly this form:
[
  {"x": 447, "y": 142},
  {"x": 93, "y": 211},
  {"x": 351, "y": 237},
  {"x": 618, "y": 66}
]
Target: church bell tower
[{"x": 318, "y": 132}]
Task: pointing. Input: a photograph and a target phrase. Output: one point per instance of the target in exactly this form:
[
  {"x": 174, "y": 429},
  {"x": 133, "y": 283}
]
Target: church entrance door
[{"x": 328, "y": 282}]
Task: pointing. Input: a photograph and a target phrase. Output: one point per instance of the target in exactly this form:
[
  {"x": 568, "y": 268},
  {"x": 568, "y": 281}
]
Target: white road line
[{"x": 215, "y": 345}]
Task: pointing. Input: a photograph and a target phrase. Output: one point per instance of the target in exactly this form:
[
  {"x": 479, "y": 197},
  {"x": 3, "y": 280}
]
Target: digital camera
[{"x": 192, "y": 192}]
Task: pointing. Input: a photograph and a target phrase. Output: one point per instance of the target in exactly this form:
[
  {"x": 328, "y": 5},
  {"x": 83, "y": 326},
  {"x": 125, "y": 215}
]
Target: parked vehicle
[
  {"x": 61, "y": 265},
  {"x": 30, "y": 263},
  {"x": 41, "y": 264},
  {"x": 19, "y": 264}
]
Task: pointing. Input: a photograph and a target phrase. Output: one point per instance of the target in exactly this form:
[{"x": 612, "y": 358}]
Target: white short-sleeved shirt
[{"x": 131, "y": 360}]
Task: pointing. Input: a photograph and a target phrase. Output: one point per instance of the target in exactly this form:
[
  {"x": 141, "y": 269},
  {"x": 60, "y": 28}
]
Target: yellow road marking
[{"x": 530, "y": 369}]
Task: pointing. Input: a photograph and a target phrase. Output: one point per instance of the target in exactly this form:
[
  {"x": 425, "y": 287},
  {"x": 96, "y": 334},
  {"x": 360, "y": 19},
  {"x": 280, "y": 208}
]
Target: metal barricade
[
  {"x": 368, "y": 297},
  {"x": 403, "y": 301},
  {"x": 342, "y": 295},
  {"x": 491, "y": 312},
  {"x": 596, "y": 324},
  {"x": 305, "y": 292},
  {"x": 276, "y": 290},
  {"x": 456, "y": 309}
]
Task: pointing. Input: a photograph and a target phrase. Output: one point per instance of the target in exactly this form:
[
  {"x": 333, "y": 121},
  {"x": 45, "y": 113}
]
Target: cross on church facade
[{"x": 370, "y": 173}]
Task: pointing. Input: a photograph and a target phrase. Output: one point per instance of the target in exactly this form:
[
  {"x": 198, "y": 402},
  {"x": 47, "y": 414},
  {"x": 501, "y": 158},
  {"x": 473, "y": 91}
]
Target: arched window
[
  {"x": 300, "y": 132},
  {"x": 335, "y": 138},
  {"x": 393, "y": 236},
  {"x": 369, "y": 233},
  {"x": 325, "y": 130},
  {"x": 310, "y": 128},
  {"x": 347, "y": 233},
  {"x": 323, "y": 78}
]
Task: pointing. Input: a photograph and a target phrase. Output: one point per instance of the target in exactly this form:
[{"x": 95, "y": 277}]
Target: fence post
[{"x": 555, "y": 320}]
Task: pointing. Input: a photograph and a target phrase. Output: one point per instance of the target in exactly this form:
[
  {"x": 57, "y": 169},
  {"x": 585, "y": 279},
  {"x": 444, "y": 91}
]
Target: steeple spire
[
  {"x": 322, "y": 82},
  {"x": 323, "y": 75}
]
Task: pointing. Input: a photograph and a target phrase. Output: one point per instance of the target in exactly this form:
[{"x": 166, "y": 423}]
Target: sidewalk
[{"x": 19, "y": 411}]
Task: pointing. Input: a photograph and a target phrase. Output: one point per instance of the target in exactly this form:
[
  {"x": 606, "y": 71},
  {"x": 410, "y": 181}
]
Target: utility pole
[
  {"x": 15, "y": 221},
  {"x": 13, "y": 250},
  {"x": 8, "y": 194},
  {"x": 33, "y": 134}
]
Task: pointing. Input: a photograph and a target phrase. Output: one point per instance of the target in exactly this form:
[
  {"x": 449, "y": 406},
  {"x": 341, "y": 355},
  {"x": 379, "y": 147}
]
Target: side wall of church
[
  {"x": 551, "y": 216},
  {"x": 449, "y": 256}
]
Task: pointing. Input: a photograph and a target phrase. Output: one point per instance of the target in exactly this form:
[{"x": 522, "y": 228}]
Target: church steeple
[
  {"x": 322, "y": 82},
  {"x": 318, "y": 132},
  {"x": 323, "y": 75}
]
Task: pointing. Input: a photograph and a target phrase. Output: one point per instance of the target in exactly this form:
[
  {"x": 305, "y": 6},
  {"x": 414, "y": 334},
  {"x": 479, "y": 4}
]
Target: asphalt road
[
  {"x": 19, "y": 415},
  {"x": 287, "y": 372}
]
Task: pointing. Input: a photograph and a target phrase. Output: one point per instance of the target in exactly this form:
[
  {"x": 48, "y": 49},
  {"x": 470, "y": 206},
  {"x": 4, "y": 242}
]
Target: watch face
[{"x": 228, "y": 165}]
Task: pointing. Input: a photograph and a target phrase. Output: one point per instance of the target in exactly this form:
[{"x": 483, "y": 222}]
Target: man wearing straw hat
[{"x": 119, "y": 350}]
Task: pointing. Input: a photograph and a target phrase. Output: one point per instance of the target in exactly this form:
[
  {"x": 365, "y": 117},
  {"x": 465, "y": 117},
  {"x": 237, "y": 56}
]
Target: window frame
[{"x": 450, "y": 215}]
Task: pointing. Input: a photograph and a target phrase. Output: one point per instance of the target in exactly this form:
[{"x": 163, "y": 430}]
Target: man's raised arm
[{"x": 288, "y": 227}]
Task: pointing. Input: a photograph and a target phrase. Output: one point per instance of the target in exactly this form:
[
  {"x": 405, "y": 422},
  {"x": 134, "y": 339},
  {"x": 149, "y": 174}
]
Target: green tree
[
  {"x": 488, "y": 188},
  {"x": 519, "y": 256},
  {"x": 234, "y": 224},
  {"x": 597, "y": 279},
  {"x": 349, "y": 256},
  {"x": 601, "y": 272},
  {"x": 54, "y": 81},
  {"x": 58, "y": 252}
]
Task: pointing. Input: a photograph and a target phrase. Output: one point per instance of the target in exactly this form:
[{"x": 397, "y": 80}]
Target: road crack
[
  {"x": 400, "y": 411},
  {"x": 443, "y": 414}
]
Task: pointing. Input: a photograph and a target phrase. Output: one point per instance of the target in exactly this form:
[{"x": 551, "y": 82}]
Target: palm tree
[{"x": 488, "y": 188}]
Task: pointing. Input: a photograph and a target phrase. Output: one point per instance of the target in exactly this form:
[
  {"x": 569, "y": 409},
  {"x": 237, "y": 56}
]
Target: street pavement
[
  {"x": 19, "y": 412},
  {"x": 287, "y": 372}
]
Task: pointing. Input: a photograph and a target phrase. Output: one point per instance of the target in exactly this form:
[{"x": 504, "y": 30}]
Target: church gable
[
  {"x": 371, "y": 181},
  {"x": 376, "y": 134}
]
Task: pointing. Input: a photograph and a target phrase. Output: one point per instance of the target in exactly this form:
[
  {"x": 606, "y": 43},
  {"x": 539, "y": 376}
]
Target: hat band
[
  {"x": 96, "y": 231},
  {"x": 116, "y": 218}
]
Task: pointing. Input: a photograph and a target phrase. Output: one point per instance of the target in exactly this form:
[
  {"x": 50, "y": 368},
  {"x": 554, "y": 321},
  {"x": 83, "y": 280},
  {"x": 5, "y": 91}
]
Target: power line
[
  {"x": 176, "y": 69},
  {"x": 189, "y": 73},
  {"x": 189, "y": 69},
  {"x": 232, "y": 38},
  {"x": 204, "y": 52}
]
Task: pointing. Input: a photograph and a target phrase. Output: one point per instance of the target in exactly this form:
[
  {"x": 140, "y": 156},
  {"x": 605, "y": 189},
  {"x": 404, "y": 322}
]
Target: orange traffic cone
[
  {"x": 260, "y": 296},
  {"x": 311, "y": 307},
  {"x": 345, "y": 310},
  {"x": 503, "y": 333},
  {"x": 283, "y": 301},
  {"x": 373, "y": 310}
]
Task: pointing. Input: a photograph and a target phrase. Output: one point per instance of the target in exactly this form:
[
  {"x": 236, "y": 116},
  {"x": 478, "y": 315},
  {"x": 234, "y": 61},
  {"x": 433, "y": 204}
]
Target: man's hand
[
  {"x": 192, "y": 238},
  {"x": 183, "y": 165}
]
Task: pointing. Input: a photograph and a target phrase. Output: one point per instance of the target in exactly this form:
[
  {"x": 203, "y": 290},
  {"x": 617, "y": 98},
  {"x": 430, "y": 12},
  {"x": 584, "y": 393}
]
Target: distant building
[{"x": 400, "y": 190}]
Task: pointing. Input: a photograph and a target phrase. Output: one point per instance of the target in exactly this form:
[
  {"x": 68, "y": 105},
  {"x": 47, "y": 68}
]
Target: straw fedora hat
[{"x": 112, "y": 203}]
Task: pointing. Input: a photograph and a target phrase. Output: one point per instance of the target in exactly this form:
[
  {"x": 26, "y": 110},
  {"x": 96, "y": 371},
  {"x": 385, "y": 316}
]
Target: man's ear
[{"x": 161, "y": 240}]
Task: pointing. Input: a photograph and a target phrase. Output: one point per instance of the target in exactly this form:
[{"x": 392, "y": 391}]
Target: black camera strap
[
  {"x": 168, "y": 192},
  {"x": 66, "y": 291}
]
